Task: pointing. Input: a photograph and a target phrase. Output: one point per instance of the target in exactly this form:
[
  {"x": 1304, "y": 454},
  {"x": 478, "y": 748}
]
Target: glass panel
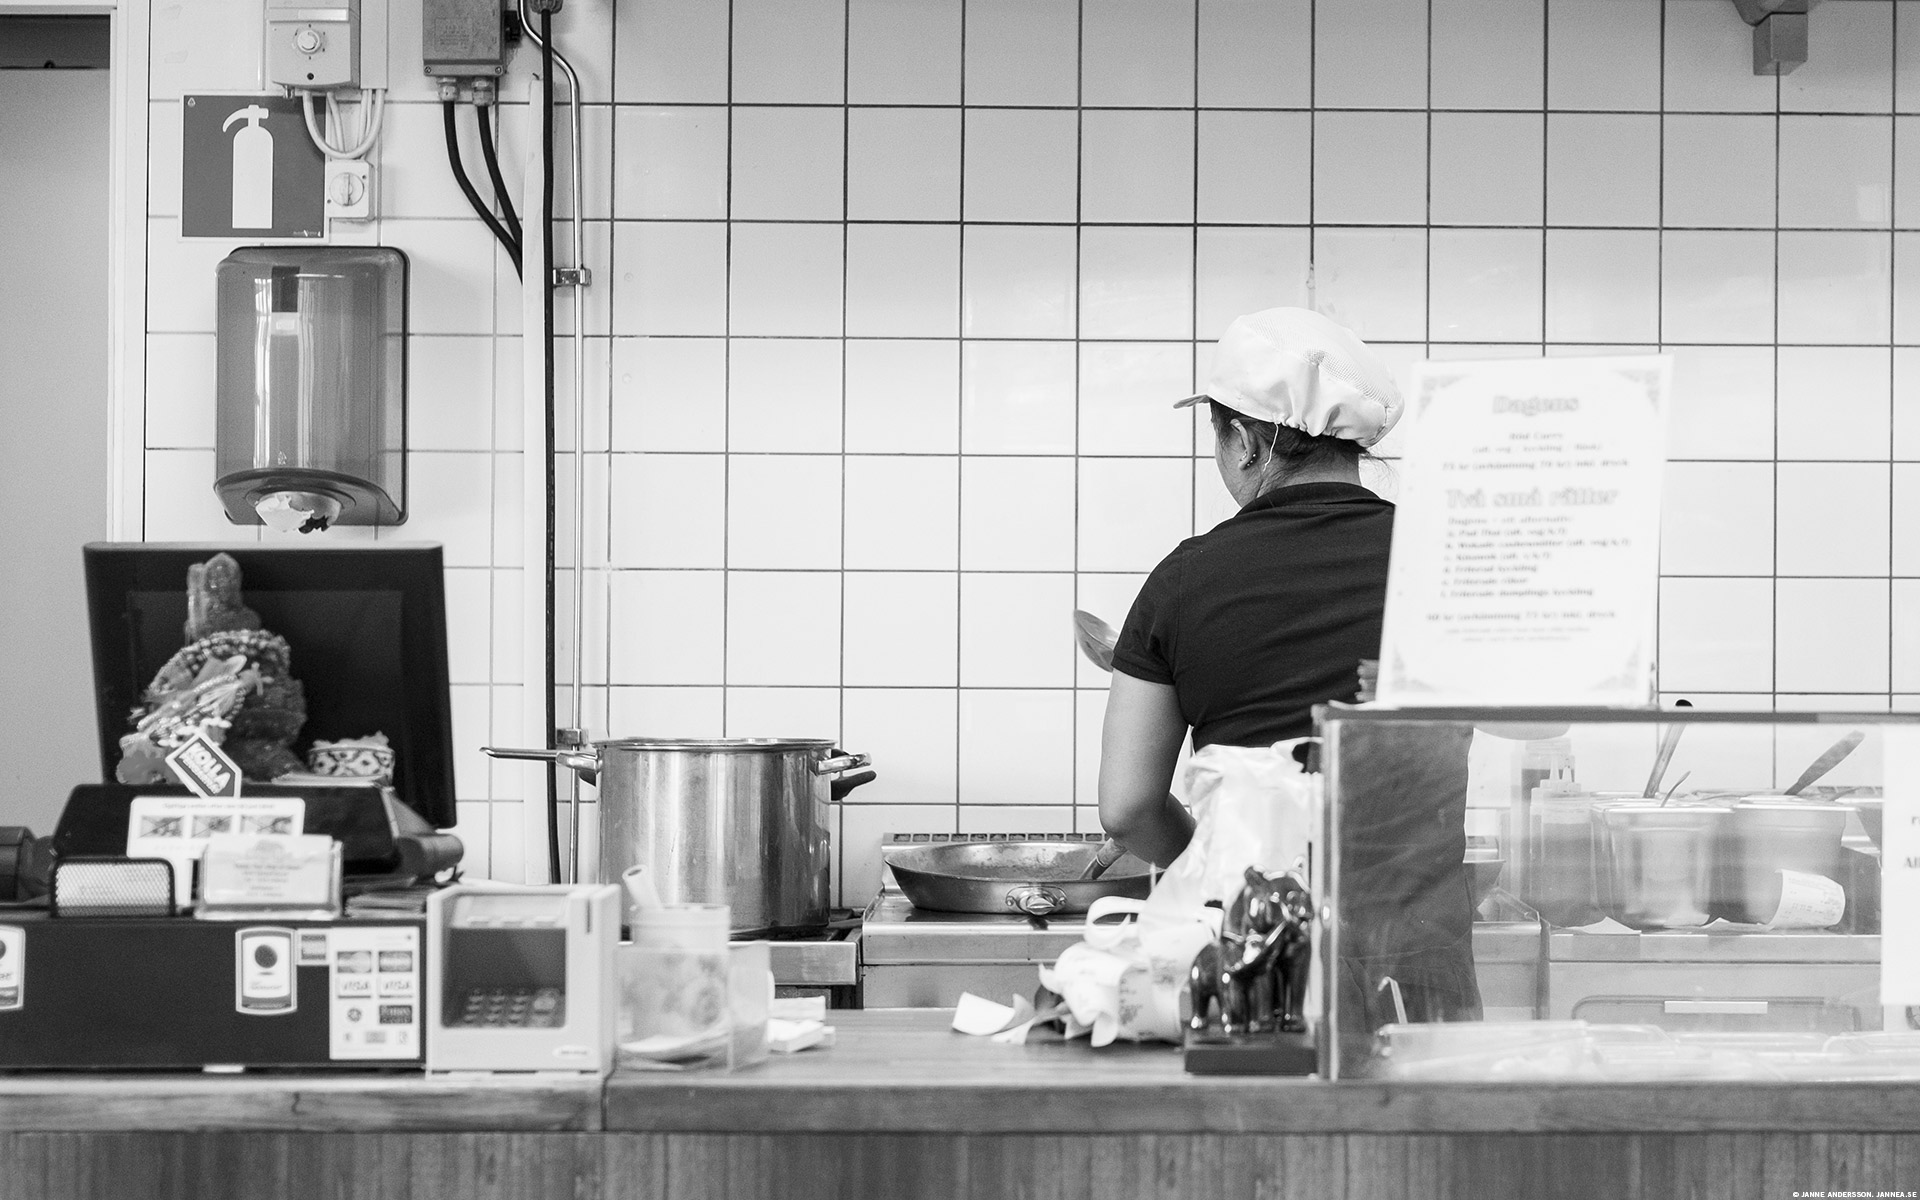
[{"x": 1606, "y": 894}]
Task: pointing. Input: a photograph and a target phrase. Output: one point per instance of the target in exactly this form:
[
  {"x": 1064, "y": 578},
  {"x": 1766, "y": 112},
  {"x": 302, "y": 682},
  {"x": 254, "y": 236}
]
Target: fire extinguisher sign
[{"x": 249, "y": 169}]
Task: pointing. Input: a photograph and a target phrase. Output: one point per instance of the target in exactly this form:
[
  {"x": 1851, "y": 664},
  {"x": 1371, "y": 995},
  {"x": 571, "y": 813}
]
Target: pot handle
[
  {"x": 838, "y": 788},
  {"x": 584, "y": 764},
  {"x": 840, "y": 760}
]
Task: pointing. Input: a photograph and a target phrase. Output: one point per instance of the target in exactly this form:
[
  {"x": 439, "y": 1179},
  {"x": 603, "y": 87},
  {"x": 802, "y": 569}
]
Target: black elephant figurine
[{"x": 1256, "y": 972}]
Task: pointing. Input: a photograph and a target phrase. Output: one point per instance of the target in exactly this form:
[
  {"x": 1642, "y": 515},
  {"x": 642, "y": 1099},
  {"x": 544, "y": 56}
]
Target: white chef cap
[{"x": 1293, "y": 367}]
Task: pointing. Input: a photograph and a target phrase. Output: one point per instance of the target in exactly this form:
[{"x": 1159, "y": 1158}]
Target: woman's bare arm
[{"x": 1138, "y": 748}]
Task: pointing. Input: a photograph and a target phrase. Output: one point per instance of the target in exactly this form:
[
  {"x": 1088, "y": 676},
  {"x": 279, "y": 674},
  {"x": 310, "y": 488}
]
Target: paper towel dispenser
[{"x": 311, "y": 385}]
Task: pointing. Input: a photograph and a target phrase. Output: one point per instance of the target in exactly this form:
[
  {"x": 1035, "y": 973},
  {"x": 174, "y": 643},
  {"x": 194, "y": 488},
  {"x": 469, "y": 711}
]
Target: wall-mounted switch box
[
  {"x": 349, "y": 189},
  {"x": 313, "y": 44},
  {"x": 463, "y": 38}
]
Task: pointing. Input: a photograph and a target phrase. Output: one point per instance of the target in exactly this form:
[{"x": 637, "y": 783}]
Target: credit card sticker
[{"x": 374, "y": 976}]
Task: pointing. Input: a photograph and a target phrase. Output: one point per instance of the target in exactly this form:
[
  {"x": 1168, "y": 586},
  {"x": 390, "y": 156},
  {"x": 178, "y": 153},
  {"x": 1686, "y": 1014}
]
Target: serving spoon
[
  {"x": 1095, "y": 639},
  {"x": 1827, "y": 762}
]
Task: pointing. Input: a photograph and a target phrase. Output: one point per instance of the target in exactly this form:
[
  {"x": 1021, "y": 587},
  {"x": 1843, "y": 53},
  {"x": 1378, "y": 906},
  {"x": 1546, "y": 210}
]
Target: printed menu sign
[
  {"x": 1526, "y": 548},
  {"x": 1900, "y": 869},
  {"x": 177, "y": 828}
]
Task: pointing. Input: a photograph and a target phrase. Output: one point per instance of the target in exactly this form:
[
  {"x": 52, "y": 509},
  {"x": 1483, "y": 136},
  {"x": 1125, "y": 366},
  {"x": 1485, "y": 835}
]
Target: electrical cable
[
  {"x": 500, "y": 193},
  {"x": 508, "y": 242},
  {"x": 371, "y": 114}
]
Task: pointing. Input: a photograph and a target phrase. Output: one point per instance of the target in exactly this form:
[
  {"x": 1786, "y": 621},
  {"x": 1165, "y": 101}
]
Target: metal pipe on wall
[{"x": 578, "y": 278}]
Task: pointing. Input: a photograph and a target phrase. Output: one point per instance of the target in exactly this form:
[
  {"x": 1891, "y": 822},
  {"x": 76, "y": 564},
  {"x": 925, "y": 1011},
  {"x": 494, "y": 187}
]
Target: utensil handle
[
  {"x": 587, "y": 766},
  {"x": 841, "y": 761},
  {"x": 1661, "y": 760},
  {"x": 1110, "y": 852},
  {"x": 1827, "y": 762}
]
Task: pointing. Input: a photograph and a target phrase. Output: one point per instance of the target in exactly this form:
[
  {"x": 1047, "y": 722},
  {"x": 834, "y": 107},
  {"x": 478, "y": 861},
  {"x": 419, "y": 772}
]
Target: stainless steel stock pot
[{"x": 736, "y": 821}]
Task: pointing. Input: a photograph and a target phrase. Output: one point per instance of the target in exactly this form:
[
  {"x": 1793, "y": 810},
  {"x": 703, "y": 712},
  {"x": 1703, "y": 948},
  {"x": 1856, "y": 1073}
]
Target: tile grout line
[
  {"x": 960, "y": 427},
  {"x": 1659, "y": 308},
  {"x": 1773, "y": 650},
  {"x": 1079, "y": 398},
  {"x": 1166, "y": 108},
  {"x": 1546, "y": 166},
  {"x": 726, "y": 419},
  {"x": 1893, "y": 297},
  {"x": 839, "y": 812},
  {"x": 1354, "y": 225},
  {"x": 1426, "y": 237}
]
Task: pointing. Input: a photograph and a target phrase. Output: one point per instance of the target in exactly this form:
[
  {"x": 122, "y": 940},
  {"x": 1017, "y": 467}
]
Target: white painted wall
[{"x": 53, "y": 427}]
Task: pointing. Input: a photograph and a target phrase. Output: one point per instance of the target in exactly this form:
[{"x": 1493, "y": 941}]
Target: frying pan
[{"x": 1036, "y": 878}]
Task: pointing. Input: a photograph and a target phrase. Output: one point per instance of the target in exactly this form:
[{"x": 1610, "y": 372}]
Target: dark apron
[{"x": 1405, "y": 901}]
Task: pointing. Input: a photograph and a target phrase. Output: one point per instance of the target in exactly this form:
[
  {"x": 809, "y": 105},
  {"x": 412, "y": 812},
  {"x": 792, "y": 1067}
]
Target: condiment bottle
[
  {"x": 1560, "y": 846},
  {"x": 1542, "y": 761}
]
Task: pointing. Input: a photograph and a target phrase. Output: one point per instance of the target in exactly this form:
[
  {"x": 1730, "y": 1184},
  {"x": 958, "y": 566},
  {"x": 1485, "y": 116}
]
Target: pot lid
[
  {"x": 1771, "y": 803},
  {"x": 1672, "y": 816},
  {"x": 719, "y": 745}
]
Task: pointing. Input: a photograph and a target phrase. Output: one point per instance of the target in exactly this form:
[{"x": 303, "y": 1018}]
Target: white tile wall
[{"x": 892, "y": 295}]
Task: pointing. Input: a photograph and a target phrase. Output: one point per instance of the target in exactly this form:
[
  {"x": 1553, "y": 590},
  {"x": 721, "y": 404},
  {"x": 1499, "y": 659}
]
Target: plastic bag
[
  {"x": 1253, "y": 807},
  {"x": 1125, "y": 979}
]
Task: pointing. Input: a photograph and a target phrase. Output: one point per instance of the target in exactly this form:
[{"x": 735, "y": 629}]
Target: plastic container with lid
[
  {"x": 1766, "y": 835},
  {"x": 1659, "y": 863},
  {"x": 674, "y": 987}
]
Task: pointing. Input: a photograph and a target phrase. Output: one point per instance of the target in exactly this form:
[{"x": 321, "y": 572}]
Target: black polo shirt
[{"x": 1266, "y": 615}]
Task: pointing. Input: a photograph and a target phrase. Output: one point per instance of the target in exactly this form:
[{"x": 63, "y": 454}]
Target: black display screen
[{"x": 367, "y": 633}]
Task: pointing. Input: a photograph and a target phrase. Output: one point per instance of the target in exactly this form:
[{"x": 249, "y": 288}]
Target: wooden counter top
[
  {"x": 902, "y": 1106},
  {"x": 906, "y": 1071},
  {"x": 295, "y": 1103}
]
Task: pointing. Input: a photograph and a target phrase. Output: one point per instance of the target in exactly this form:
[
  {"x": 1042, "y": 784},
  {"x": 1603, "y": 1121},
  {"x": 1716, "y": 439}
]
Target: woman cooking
[{"x": 1240, "y": 631}]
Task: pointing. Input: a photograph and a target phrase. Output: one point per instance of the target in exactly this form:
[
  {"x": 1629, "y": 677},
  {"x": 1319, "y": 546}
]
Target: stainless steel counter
[
  {"x": 1730, "y": 978},
  {"x": 913, "y": 958}
]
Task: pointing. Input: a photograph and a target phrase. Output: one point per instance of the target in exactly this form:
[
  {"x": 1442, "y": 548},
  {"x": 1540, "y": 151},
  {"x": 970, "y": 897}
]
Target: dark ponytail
[{"x": 1290, "y": 449}]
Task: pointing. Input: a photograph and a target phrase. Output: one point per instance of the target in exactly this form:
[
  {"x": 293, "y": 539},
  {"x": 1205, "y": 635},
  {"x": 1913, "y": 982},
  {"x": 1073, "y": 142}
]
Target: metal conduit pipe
[{"x": 578, "y": 278}]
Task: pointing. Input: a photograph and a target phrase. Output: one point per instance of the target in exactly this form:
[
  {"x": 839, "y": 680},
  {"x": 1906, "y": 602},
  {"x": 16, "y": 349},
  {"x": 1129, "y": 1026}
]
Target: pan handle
[
  {"x": 584, "y": 764},
  {"x": 1036, "y": 899},
  {"x": 840, "y": 761}
]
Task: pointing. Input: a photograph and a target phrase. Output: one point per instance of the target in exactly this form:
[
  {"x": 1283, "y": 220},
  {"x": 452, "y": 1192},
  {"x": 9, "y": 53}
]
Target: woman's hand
[
  {"x": 1369, "y": 678},
  {"x": 1139, "y": 745}
]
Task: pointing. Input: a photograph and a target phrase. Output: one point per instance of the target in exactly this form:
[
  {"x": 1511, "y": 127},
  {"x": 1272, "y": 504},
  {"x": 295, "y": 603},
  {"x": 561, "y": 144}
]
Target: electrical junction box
[
  {"x": 313, "y": 45},
  {"x": 463, "y": 38}
]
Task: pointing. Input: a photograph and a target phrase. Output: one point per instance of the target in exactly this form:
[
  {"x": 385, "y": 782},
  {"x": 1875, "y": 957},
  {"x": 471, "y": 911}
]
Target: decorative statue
[
  {"x": 1256, "y": 973},
  {"x": 231, "y": 681},
  {"x": 214, "y": 604}
]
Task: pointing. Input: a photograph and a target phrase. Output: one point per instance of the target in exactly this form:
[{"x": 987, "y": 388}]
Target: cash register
[{"x": 118, "y": 966}]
